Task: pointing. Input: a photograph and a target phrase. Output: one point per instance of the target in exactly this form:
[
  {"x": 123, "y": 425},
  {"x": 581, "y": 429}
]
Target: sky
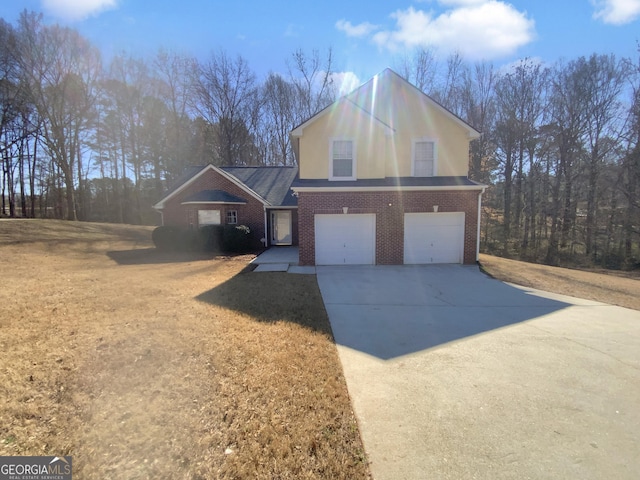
[{"x": 365, "y": 36}]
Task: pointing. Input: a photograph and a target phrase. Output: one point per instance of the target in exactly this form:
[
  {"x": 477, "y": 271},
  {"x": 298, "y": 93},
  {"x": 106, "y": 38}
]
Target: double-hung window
[
  {"x": 424, "y": 158},
  {"x": 232, "y": 217},
  {"x": 343, "y": 160}
]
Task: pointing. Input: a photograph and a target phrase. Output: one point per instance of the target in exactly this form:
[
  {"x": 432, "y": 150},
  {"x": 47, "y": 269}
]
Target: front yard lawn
[{"x": 141, "y": 364}]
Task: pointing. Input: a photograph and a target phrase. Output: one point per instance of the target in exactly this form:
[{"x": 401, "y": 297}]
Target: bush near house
[
  {"x": 209, "y": 238},
  {"x": 236, "y": 238},
  {"x": 167, "y": 238}
]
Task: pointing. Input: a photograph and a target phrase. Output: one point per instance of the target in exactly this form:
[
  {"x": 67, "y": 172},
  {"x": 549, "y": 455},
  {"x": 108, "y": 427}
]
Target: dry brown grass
[
  {"x": 150, "y": 365},
  {"x": 616, "y": 288}
]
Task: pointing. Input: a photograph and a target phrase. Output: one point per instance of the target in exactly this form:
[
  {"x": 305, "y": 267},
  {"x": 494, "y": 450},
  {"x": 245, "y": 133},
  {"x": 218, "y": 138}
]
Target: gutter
[
  {"x": 479, "y": 216},
  {"x": 387, "y": 188},
  {"x": 266, "y": 232}
]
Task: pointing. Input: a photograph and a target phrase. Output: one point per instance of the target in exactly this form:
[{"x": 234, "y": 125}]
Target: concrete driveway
[{"x": 454, "y": 375}]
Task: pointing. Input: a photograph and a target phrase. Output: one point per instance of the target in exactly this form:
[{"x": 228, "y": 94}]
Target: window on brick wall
[
  {"x": 232, "y": 217},
  {"x": 424, "y": 158},
  {"x": 208, "y": 217}
]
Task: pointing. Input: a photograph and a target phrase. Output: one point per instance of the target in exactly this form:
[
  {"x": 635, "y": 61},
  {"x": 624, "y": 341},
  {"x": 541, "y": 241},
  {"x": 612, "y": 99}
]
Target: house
[
  {"x": 258, "y": 197},
  {"x": 382, "y": 178}
]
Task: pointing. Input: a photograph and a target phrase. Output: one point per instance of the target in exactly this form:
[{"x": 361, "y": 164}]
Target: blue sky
[{"x": 366, "y": 36}]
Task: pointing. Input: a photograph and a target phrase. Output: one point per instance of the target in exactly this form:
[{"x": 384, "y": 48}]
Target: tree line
[
  {"x": 560, "y": 151},
  {"x": 91, "y": 140},
  {"x": 81, "y": 139}
]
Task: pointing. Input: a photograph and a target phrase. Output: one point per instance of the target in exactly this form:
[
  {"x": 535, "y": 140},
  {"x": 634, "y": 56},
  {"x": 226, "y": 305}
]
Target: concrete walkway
[
  {"x": 281, "y": 259},
  {"x": 454, "y": 375}
]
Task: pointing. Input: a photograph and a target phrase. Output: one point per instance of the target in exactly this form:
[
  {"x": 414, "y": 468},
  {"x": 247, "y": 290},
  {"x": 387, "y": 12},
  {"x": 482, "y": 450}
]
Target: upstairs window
[
  {"x": 343, "y": 163},
  {"x": 424, "y": 158}
]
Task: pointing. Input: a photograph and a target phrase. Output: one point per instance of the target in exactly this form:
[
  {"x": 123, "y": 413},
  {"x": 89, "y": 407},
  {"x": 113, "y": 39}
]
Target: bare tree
[
  {"x": 604, "y": 80},
  {"x": 479, "y": 108},
  {"x": 450, "y": 85},
  {"x": 175, "y": 75},
  {"x": 61, "y": 69},
  {"x": 279, "y": 117},
  {"x": 313, "y": 80},
  {"x": 567, "y": 118},
  {"x": 420, "y": 68},
  {"x": 226, "y": 96}
]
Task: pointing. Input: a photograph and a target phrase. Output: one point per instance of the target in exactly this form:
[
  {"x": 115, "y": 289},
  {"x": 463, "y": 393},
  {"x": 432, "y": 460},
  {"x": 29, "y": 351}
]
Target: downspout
[
  {"x": 266, "y": 232},
  {"x": 478, "y": 233}
]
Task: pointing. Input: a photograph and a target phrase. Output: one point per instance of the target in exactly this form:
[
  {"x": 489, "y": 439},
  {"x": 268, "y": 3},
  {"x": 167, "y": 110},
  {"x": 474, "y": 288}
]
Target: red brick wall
[
  {"x": 250, "y": 214},
  {"x": 389, "y": 208}
]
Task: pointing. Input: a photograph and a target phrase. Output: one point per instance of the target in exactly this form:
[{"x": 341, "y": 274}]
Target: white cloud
[
  {"x": 360, "y": 30},
  {"x": 77, "y": 9},
  {"x": 458, "y": 3},
  {"x": 345, "y": 82},
  {"x": 616, "y": 12},
  {"x": 478, "y": 29},
  {"x": 292, "y": 30}
]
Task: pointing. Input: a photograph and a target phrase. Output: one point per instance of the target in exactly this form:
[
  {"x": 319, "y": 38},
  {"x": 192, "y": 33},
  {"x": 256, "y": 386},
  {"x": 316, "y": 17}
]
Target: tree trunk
[
  {"x": 552, "y": 249},
  {"x": 70, "y": 194},
  {"x": 23, "y": 196},
  {"x": 591, "y": 201},
  {"x": 508, "y": 172},
  {"x": 32, "y": 177}
]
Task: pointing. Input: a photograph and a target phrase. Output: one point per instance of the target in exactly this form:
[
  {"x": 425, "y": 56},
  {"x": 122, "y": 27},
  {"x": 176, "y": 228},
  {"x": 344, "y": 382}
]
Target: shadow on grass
[
  {"x": 150, "y": 256},
  {"x": 272, "y": 297},
  {"x": 62, "y": 232}
]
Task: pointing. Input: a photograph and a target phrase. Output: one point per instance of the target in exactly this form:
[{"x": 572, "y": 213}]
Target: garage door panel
[
  {"x": 345, "y": 239},
  {"x": 433, "y": 238}
]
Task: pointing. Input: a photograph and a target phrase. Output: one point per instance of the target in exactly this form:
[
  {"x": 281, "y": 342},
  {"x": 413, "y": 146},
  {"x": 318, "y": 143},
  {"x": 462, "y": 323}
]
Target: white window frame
[
  {"x": 234, "y": 214},
  {"x": 353, "y": 158},
  {"x": 435, "y": 156},
  {"x": 205, "y": 216}
]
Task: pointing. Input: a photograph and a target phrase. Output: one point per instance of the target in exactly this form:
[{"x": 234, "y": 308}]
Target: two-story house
[{"x": 383, "y": 180}]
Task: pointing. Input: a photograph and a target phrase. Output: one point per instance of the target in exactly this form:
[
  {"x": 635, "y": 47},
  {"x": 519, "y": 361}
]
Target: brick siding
[
  {"x": 389, "y": 208},
  {"x": 250, "y": 214}
]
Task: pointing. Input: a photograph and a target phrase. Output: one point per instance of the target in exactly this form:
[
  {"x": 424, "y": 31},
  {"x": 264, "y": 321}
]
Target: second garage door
[
  {"x": 345, "y": 239},
  {"x": 433, "y": 237}
]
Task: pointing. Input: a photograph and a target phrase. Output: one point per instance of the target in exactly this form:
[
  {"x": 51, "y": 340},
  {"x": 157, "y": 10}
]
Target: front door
[{"x": 281, "y": 227}]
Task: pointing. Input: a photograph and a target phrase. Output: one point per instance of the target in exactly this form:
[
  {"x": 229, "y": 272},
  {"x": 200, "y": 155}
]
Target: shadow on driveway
[{"x": 390, "y": 311}]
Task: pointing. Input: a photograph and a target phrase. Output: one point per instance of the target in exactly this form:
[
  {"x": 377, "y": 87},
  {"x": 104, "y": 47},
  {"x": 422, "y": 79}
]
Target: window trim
[
  {"x": 235, "y": 215},
  {"x": 435, "y": 156},
  {"x": 353, "y": 159}
]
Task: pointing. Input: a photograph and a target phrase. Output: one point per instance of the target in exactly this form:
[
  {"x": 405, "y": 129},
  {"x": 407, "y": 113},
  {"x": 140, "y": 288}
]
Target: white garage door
[
  {"x": 433, "y": 237},
  {"x": 345, "y": 239}
]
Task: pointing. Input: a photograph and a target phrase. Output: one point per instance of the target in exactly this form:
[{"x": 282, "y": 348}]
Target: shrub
[
  {"x": 210, "y": 238},
  {"x": 236, "y": 238},
  {"x": 167, "y": 238}
]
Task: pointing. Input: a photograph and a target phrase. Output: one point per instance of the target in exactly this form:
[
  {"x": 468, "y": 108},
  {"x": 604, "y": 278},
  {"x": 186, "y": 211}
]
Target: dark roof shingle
[
  {"x": 218, "y": 196},
  {"x": 271, "y": 183}
]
